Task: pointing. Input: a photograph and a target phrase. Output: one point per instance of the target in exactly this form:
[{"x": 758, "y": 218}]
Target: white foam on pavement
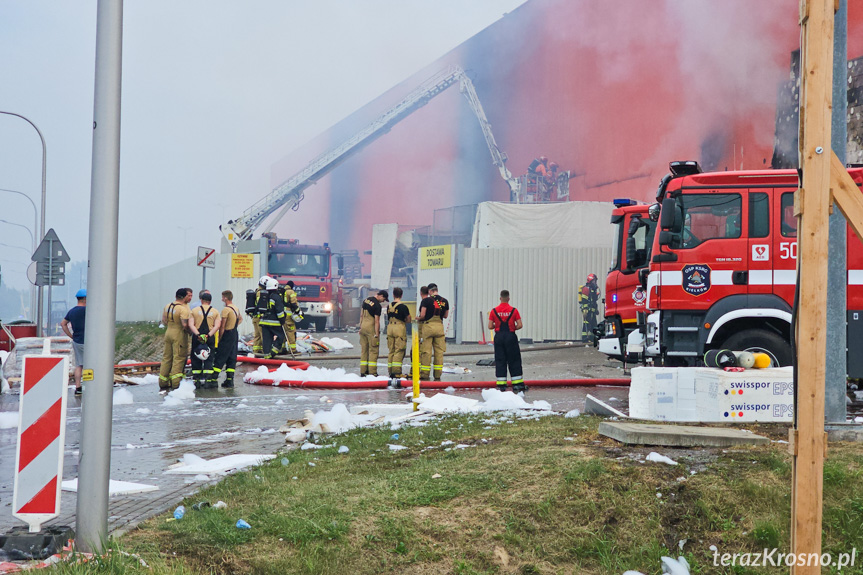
[
  {"x": 114, "y": 487},
  {"x": 657, "y": 458},
  {"x": 123, "y": 397},
  {"x": 8, "y": 419},
  {"x": 313, "y": 373},
  {"x": 194, "y": 465}
]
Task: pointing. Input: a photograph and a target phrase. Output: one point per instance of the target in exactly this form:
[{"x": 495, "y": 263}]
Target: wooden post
[{"x": 813, "y": 204}]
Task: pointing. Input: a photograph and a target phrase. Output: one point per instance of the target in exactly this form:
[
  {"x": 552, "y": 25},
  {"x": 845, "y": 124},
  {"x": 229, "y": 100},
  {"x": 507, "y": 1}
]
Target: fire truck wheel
[
  {"x": 320, "y": 324},
  {"x": 760, "y": 340}
]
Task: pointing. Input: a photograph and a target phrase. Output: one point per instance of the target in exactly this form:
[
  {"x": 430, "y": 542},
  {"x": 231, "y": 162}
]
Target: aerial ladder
[{"x": 288, "y": 195}]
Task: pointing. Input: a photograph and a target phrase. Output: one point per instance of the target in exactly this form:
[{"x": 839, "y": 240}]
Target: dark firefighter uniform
[
  {"x": 397, "y": 336},
  {"x": 226, "y": 353},
  {"x": 253, "y": 312},
  {"x": 506, "y": 351},
  {"x": 176, "y": 350},
  {"x": 588, "y": 301},
  {"x": 369, "y": 339},
  {"x": 205, "y": 317},
  {"x": 291, "y": 307},
  {"x": 434, "y": 337},
  {"x": 272, "y": 310}
]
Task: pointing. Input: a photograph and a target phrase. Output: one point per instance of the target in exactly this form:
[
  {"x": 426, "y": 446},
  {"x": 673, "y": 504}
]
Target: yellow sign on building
[
  {"x": 242, "y": 265},
  {"x": 435, "y": 257}
]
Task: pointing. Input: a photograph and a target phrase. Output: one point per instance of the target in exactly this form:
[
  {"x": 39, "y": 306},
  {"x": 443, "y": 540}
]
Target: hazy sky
[{"x": 214, "y": 93}]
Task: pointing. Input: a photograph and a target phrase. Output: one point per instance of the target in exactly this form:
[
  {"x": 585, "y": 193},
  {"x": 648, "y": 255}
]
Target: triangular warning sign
[{"x": 50, "y": 249}]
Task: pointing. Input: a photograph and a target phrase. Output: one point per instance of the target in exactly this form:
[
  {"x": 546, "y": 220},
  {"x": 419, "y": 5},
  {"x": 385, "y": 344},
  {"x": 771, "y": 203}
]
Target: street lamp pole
[
  {"x": 33, "y": 233},
  {"x": 42, "y": 225}
]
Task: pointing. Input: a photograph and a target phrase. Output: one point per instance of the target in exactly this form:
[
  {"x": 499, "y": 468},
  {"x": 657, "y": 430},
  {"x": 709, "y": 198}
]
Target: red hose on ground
[
  {"x": 407, "y": 384},
  {"x": 293, "y": 364}
]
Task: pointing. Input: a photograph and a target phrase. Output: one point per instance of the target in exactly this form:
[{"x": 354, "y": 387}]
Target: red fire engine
[
  {"x": 624, "y": 294},
  {"x": 722, "y": 270}
]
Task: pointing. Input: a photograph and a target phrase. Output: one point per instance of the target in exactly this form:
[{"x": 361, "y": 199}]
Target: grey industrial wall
[
  {"x": 543, "y": 283},
  {"x": 143, "y": 298}
]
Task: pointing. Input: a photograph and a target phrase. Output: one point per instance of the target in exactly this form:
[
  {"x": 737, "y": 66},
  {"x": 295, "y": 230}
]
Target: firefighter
[
  {"x": 271, "y": 306},
  {"x": 226, "y": 352},
  {"x": 293, "y": 314},
  {"x": 175, "y": 317},
  {"x": 433, "y": 310},
  {"x": 424, "y": 295},
  {"x": 398, "y": 316},
  {"x": 253, "y": 312},
  {"x": 370, "y": 333},
  {"x": 205, "y": 321},
  {"x": 588, "y": 301},
  {"x": 505, "y": 321}
]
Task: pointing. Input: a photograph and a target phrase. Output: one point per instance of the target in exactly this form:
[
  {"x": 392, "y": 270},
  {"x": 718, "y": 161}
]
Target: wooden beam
[
  {"x": 813, "y": 201},
  {"x": 847, "y": 195}
]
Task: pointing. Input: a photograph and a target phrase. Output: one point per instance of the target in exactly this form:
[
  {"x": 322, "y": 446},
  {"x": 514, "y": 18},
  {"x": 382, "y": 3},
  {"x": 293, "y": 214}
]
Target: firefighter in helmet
[
  {"x": 253, "y": 312},
  {"x": 271, "y": 306},
  {"x": 293, "y": 314},
  {"x": 588, "y": 301}
]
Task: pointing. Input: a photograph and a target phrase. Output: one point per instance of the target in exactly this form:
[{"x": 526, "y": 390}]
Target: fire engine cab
[{"x": 723, "y": 267}]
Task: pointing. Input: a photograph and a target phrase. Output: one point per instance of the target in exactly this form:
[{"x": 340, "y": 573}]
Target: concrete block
[{"x": 677, "y": 435}]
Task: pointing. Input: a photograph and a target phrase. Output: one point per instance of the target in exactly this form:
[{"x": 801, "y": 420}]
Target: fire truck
[
  {"x": 624, "y": 294},
  {"x": 723, "y": 268},
  {"x": 310, "y": 268}
]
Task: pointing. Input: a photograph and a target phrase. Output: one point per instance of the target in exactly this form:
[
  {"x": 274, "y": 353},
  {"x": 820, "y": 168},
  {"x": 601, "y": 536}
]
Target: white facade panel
[{"x": 543, "y": 285}]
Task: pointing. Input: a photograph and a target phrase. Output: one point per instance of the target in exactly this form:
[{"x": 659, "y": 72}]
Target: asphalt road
[{"x": 148, "y": 436}]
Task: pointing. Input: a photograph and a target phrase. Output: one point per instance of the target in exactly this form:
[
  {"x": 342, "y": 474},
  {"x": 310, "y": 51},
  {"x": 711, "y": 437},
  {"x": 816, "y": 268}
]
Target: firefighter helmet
[
  {"x": 263, "y": 281},
  {"x": 653, "y": 212},
  {"x": 202, "y": 352},
  {"x": 543, "y": 160},
  {"x": 270, "y": 284},
  {"x": 591, "y": 277}
]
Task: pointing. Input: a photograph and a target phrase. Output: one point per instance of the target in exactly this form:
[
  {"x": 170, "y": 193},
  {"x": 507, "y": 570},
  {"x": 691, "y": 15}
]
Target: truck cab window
[
  {"x": 709, "y": 217},
  {"x": 787, "y": 217},
  {"x": 759, "y": 215}
]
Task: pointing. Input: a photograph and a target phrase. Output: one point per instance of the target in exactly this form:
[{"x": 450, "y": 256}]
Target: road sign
[
  {"x": 50, "y": 249},
  {"x": 50, "y": 258},
  {"x": 41, "y": 439},
  {"x": 206, "y": 257}
]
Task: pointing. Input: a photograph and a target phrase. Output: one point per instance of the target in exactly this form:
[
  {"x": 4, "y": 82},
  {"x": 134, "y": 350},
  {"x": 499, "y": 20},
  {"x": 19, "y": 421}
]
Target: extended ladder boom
[{"x": 289, "y": 194}]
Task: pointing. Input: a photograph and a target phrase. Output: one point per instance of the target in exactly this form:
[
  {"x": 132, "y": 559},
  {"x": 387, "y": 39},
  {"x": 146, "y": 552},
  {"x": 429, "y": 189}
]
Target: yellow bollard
[{"x": 415, "y": 363}]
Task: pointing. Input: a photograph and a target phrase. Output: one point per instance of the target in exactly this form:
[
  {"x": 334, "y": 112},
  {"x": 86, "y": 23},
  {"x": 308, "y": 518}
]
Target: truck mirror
[
  {"x": 642, "y": 277},
  {"x": 340, "y": 263},
  {"x": 668, "y": 213},
  {"x": 631, "y": 254},
  {"x": 666, "y": 237}
]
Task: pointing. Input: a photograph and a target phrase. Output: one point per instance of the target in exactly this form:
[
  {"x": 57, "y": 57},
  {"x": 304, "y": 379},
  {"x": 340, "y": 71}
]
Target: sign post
[
  {"x": 41, "y": 440},
  {"x": 50, "y": 258},
  {"x": 206, "y": 259}
]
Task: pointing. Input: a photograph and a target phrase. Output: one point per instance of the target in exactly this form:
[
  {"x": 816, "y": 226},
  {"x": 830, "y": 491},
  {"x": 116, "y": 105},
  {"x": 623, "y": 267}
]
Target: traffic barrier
[{"x": 41, "y": 439}]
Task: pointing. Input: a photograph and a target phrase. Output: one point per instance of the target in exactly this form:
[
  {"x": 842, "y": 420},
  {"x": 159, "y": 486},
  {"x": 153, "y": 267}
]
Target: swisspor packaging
[{"x": 711, "y": 395}]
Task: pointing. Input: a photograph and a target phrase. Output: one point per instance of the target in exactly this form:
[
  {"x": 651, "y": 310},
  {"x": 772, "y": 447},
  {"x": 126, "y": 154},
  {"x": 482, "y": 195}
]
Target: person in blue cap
[{"x": 73, "y": 326}]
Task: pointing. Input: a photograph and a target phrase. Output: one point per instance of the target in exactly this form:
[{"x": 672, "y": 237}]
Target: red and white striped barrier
[{"x": 41, "y": 439}]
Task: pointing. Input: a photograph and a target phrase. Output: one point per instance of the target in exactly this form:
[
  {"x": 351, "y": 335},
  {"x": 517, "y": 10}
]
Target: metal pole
[
  {"x": 42, "y": 226},
  {"x": 837, "y": 313},
  {"x": 204, "y": 278},
  {"x": 35, "y": 229},
  {"x": 50, "y": 281},
  {"x": 95, "y": 459}
]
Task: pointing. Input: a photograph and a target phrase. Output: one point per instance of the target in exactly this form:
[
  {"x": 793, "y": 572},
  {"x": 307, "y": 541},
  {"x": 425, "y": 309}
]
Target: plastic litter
[
  {"x": 220, "y": 505},
  {"x": 285, "y": 461},
  {"x": 179, "y": 512},
  {"x": 241, "y": 524},
  {"x": 394, "y": 436},
  {"x": 200, "y": 505}
]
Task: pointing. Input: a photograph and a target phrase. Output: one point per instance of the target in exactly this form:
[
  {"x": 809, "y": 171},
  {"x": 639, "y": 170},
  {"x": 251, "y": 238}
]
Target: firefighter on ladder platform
[{"x": 588, "y": 301}]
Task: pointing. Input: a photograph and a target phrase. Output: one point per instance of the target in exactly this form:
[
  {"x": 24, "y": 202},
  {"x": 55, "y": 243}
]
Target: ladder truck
[
  {"x": 286, "y": 258},
  {"x": 289, "y": 194}
]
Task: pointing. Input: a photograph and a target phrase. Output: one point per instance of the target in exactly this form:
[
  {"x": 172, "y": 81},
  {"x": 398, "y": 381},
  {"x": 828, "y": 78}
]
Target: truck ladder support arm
[
  {"x": 847, "y": 195},
  {"x": 289, "y": 194}
]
